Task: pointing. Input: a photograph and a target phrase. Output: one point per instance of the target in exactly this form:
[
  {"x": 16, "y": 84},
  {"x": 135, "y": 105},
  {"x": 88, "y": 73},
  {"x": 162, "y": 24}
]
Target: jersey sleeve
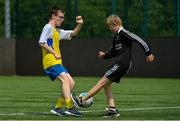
[
  {"x": 65, "y": 34},
  {"x": 109, "y": 54},
  {"x": 140, "y": 41},
  {"x": 45, "y": 34}
]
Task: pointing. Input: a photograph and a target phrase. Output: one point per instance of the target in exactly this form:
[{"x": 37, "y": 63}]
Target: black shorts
[{"x": 116, "y": 71}]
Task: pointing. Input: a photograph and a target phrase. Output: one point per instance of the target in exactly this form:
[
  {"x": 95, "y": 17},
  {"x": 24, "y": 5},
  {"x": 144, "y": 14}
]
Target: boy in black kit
[{"x": 121, "y": 51}]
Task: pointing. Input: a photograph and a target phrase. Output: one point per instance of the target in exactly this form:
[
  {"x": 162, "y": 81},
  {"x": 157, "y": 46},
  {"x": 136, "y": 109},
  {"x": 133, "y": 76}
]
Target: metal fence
[{"x": 148, "y": 18}]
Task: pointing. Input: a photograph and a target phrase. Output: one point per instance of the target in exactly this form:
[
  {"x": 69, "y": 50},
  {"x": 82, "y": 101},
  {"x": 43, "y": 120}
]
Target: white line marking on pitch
[
  {"x": 88, "y": 111},
  {"x": 136, "y": 109},
  {"x": 11, "y": 114}
]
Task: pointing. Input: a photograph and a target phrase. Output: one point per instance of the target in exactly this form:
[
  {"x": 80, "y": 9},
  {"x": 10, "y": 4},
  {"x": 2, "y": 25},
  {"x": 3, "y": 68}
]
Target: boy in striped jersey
[{"x": 121, "y": 51}]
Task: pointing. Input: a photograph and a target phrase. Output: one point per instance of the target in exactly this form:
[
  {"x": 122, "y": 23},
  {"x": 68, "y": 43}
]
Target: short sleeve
[
  {"x": 46, "y": 33},
  {"x": 65, "y": 34}
]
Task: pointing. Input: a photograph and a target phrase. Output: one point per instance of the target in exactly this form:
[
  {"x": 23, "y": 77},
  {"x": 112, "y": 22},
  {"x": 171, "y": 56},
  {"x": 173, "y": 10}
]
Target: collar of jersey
[{"x": 120, "y": 29}]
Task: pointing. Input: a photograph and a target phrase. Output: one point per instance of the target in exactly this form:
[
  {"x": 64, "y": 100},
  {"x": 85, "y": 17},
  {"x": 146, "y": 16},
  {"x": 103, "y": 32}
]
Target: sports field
[{"x": 30, "y": 98}]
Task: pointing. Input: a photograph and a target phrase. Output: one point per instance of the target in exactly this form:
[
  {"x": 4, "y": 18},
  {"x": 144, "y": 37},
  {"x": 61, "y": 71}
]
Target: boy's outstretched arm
[
  {"x": 76, "y": 30},
  {"x": 149, "y": 56}
]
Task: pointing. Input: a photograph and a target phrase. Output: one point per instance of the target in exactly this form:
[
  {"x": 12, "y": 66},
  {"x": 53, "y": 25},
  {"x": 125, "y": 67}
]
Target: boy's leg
[
  {"x": 64, "y": 98},
  {"x": 109, "y": 95},
  {"x": 72, "y": 82},
  {"x": 66, "y": 89},
  {"x": 101, "y": 83},
  {"x": 61, "y": 101},
  {"x": 58, "y": 109},
  {"x": 111, "y": 111}
]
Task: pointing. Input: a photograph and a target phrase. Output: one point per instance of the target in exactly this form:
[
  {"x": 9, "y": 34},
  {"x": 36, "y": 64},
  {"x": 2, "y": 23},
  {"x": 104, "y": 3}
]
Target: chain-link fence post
[
  {"x": 177, "y": 15},
  {"x": 7, "y": 19},
  {"x": 16, "y": 17},
  {"x": 145, "y": 18},
  {"x": 126, "y": 13},
  {"x": 113, "y": 6},
  {"x": 75, "y": 8}
]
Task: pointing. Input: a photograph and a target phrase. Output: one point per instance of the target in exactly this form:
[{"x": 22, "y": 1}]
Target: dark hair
[{"x": 54, "y": 10}]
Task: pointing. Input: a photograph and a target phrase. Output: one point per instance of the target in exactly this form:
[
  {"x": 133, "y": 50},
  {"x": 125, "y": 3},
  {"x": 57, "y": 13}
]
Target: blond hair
[{"x": 114, "y": 19}]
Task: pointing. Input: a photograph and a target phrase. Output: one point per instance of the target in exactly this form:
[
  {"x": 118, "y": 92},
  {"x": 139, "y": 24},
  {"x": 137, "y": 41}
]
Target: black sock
[{"x": 112, "y": 107}]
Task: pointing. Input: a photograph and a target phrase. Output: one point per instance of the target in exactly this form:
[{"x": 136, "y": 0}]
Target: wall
[
  {"x": 80, "y": 57},
  {"x": 7, "y": 57},
  {"x": 28, "y": 57}
]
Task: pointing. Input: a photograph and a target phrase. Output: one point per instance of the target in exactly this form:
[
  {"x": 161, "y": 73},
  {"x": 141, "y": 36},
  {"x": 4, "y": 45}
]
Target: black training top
[{"x": 122, "y": 44}]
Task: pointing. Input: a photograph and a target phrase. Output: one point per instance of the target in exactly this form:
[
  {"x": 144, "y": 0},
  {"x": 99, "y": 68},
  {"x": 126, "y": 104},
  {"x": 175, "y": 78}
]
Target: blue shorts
[{"x": 54, "y": 71}]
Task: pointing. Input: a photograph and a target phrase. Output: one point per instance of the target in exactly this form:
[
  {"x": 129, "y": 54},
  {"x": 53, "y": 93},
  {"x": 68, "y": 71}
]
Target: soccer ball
[{"x": 88, "y": 102}]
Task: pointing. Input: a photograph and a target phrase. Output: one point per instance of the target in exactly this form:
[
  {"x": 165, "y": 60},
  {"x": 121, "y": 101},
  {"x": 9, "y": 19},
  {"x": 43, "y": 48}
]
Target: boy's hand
[
  {"x": 101, "y": 54},
  {"x": 79, "y": 20},
  {"x": 150, "y": 58}
]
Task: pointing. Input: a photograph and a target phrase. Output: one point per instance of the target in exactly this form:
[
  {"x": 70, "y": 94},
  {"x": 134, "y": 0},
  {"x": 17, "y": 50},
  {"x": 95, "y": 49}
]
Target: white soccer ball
[{"x": 88, "y": 102}]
